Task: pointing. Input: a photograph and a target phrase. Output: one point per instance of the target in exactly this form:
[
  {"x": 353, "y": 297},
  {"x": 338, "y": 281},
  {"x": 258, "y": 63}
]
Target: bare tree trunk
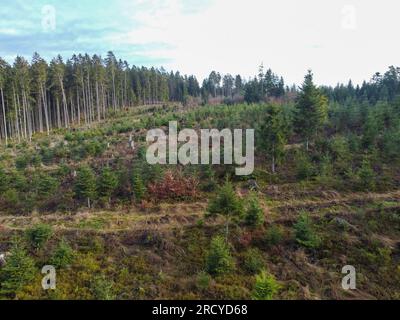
[
  {"x": 46, "y": 114},
  {"x": 79, "y": 107},
  {"x": 97, "y": 101},
  {"x": 4, "y": 116}
]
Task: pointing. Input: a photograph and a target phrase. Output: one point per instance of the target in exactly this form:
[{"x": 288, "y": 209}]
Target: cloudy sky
[{"x": 337, "y": 39}]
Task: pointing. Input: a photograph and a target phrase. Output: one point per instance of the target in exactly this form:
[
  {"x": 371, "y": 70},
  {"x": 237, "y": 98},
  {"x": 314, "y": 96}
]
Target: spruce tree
[
  {"x": 273, "y": 135},
  {"x": 254, "y": 213},
  {"x": 18, "y": 271},
  {"x": 138, "y": 186},
  {"x": 85, "y": 184},
  {"x": 108, "y": 182},
  {"x": 219, "y": 259},
  {"x": 312, "y": 110}
]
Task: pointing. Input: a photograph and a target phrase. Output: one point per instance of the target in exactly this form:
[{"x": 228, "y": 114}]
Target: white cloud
[{"x": 289, "y": 36}]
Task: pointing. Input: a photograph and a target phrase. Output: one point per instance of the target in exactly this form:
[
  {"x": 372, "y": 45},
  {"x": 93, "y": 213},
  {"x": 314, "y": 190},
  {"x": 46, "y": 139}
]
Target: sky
[{"x": 338, "y": 39}]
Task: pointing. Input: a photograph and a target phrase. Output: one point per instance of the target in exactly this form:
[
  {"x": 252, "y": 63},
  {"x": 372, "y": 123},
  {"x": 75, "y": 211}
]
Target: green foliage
[
  {"x": 304, "y": 167},
  {"x": 138, "y": 186},
  {"x": 203, "y": 280},
  {"x": 266, "y": 286},
  {"x": 274, "y": 235},
  {"x": 63, "y": 255},
  {"x": 226, "y": 202},
  {"x": 108, "y": 182},
  {"x": 85, "y": 184},
  {"x": 253, "y": 261},
  {"x": 273, "y": 135},
  {"x": 305, "y": 234},
  {"x": 18, "y": 272},
  {"x": 254, "y": 213},
  {"x": 219, "y": 259},
  {"x": 312, "y": 109},
  {"x": 102, "y": 288},
  {"x": 39, "y": 234},
  {"x": 45, "y": 185},
  {"x": 366, "y": 176},
  {"x": 4, "y": 180}
]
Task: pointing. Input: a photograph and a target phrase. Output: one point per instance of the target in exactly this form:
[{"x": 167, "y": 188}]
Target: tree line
[{"x": 40, "y": 96}]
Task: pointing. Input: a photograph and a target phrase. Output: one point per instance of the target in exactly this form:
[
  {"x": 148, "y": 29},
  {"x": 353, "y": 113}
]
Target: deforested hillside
[{"x": 77, "y": 190}]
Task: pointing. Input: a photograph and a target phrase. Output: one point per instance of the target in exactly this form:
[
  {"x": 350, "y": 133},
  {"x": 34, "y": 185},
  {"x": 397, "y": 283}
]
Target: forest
[{"x": 76, "y": 194}]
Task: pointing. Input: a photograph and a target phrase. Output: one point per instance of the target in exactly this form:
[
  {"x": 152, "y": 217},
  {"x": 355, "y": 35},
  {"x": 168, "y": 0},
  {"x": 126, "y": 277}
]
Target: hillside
[{"x": 83, "y": 199}]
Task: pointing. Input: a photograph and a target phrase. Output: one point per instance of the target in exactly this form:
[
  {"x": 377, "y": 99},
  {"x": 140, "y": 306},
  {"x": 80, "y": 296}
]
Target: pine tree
[
  {"x": 273, "y": 135},
  {"x": 18, "y": 271},
  {"x": 85, "y": 184},
  {"x": 266, "y": 287},
  {"x": 138, "y": 186},
  {"x": 311, "y": 111},
  {"x": 219, "y": 259},
  {"x": 254, "y": 213},
  {"x": 226, "y": 203},
  {"x": 108, "y": 182}
]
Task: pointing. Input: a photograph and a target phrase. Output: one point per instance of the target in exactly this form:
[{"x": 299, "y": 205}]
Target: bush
[
  {"x": 304, "y": 167},
  {"x": 274, "y": 235},
  {"x": 45, "y": 185},
  {"x": 253, "y": 261},
  {"x": 366, "y": 177},
  {"x": 63, "y": 255},
  {"x": 305, "y": 235},
  {"x": 174, "y": 186},
  {"x": 85, "y": 184},
  {"x": 4, "y": 181},
  {"x": 254, "y": 213},
  {"x": 22, "y": 161},
  {"x": 219, "y": 259},
  {"x": 138, "y": 186},
  {"x": 39, "y": 235},
  {"x": 226, "y": 202},
  {"x": 18, "y": 271},
  {"x": 266, "y": 286},
  {"x": 102, "y": 289},
  {"x": 203, "y": 280},
  {"x": 108, "y": 182}
]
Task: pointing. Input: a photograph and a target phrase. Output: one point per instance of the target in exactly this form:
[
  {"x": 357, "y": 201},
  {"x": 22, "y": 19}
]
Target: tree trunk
[{"x": 4, "y": 116}]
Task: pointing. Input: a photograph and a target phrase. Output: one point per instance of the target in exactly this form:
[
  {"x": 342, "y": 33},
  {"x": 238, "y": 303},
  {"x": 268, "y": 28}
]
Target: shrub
[
  {"x": 108, "y": 182},
  {"x": 85, "y": 184},
  {"x": 45, "y": 185},
  {"x": 219, "y": 259},
  {"x": 266, "y": 286},
  {"x": 63, "y": 255},
  {"x": 366, "y": 176},
  {"x": 22, "y": 162},
  {"x": 39, "y": 235},
  {"x": 102, "y": 288},
  {"x": 274, "y": 235},
  {"x": 225, "y": 202},
  {"x": 174, "y": 186},
  {"x": 203, "y": 280},
  {"x": 305, "y": 235},
  {"x": 254, "y": 213},
  {"x": 4, "y": 181},
  {"x": 18, "y": 271},
  {"x": 304, "y": 167},
  {"x": 253, "y": 261},
  {"x": 139, "y": 189}
]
